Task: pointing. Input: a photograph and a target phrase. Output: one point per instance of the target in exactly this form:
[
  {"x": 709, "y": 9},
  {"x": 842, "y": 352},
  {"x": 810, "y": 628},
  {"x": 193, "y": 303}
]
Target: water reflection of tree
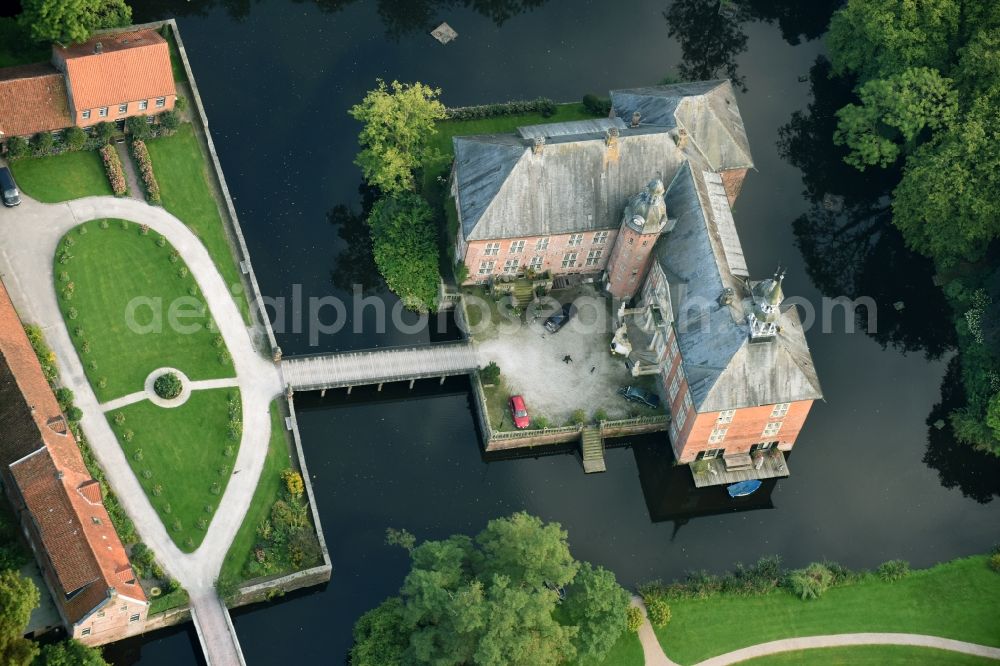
[
  {"x": 711, "y": 35},
  {"x": 975, "y": 473},
  {"x": 796, "y": 19},
  {"x": 355, "y": 264},
  {"x": 847, "y": 238}
]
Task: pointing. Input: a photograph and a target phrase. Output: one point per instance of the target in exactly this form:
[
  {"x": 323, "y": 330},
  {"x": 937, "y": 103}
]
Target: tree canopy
[
  {"x": 492, "y": 601},
  {"x": 72, "y": 21},
  {"x": 69, "y": 653},
  {"x": 398, "y": 122},
  {"x": 18, "y": 597},
  {"x": 404, "y": 245}
]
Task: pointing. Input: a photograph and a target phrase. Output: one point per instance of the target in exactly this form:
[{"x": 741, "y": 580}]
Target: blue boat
[{"x": 743, "y": 488}]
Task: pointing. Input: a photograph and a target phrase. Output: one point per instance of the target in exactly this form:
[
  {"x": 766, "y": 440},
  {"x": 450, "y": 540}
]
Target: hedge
[
  {"x": 145, "y": 164},
  {"x": 542, "y": 105},
  {"x": 113, "y": 167}
]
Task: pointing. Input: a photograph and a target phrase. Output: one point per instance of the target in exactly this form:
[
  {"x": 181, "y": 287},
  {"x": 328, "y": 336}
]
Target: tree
[
  {"x": 398, "y": 123},
  {"x": 41, "y": 143},
  {"x": 377, "y": 638},
  {"x": 404, "y": 244},
  {"x": 168, "y": 121},
  {"x": 69, "y": 653},
  {"x": 598, "y": 605},
  {"x": 72, "y": 21},
  {"x": 527, "y": 551},
  {"x": 138, "y": 128},
  {"x": 76, "y": 138},
  {"x": 17, "y": 147},
  {"x": 104, "y": 131},
  {"x": 18, "y": 597}
]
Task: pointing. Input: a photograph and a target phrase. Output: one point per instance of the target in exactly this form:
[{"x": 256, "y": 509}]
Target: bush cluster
[
  {"x": 546, "y": 107},
  {"x": 633, "y": 620},
  {"x": 113, "y": 166},
  {"x": 285, "y": 540},
  {"x": 72, "y": 139},
  {"x": 168, "y": 386},
  {"x": 145, "y": 164},
  {"x": 811, "y": 582},
  {"x": 490, "y": 374},
  {"x": 46, "y": 357},
  {"x": 599, "y": 106}
]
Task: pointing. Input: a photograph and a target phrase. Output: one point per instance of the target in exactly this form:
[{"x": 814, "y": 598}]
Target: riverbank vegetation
[
  {"x": 495, "y": 599},
  {"x": 277, "y": 536},
  {"x": 712, "y": 615},
  {"x": 101, "y": 268},
  {"x": 927, "y": 94}
]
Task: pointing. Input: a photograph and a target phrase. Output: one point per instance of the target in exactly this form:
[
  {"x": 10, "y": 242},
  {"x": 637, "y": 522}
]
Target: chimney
[
  {"x": 539, "y": 145},
  {"x": 635, "y": 118},
  {"x": 611, "y": 137},
  {"x": 59, "y": 474},
  {"x": 98, "y": 47},
  {"x": 681, "y": 138}
]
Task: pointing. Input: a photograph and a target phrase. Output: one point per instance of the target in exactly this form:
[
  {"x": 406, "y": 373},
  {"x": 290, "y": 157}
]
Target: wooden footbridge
[{"x": 378, "y": 366}]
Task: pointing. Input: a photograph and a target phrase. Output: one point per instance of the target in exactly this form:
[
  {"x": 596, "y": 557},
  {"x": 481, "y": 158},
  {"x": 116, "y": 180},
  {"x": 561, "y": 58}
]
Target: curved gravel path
[{"x": 29, "y": 235}]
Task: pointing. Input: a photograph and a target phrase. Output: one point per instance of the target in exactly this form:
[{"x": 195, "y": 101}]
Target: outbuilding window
[
  {"x": 486, "y": 267},
  {"x": 161, "y": 102},
  {"x": 600, "y": 237},
  {"x": 575, "y": 239},
  {"x": 103, "y": 112},
  {"x": 492, "y": 249},
  {"x": 542, "y": 244},
  {"x": 122, "y": 108},
  {"x": 569, "y": 260},
  {"x": 143, "y": 104},
  {"x": 86, "y": 114},
  {"x": 517, "y": 247}
]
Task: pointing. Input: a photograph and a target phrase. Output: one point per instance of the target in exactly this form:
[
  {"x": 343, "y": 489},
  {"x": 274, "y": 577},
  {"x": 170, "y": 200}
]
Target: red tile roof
[
  {"x": 129, "y": 66},
  {"x": 63, "y": 500},
  {"x": 32, "y": 99}
]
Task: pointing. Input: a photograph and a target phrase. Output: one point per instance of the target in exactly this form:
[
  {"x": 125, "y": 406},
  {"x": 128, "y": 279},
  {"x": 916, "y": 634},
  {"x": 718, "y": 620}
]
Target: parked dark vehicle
[
  {"x": 560, "y": 318},
  {"x": 8, "y": 188},
  {"x": 640, "y": 395}
]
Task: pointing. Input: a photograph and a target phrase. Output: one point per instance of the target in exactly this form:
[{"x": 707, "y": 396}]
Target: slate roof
[
  {"x": 707, "y": 110},
  {"x": 132, "y": 65},
  {"x": 724, "y": 369},
  {"x": 32, "y": 99}
]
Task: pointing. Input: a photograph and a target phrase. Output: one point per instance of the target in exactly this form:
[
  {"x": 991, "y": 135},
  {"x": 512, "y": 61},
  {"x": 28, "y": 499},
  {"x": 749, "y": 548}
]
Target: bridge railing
[
  {"x": 441, "y": 344},
  {"x": 638, "y": 420}
]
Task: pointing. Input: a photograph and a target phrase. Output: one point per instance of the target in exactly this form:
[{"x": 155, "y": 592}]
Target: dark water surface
[{"x": 277, "y": 77}]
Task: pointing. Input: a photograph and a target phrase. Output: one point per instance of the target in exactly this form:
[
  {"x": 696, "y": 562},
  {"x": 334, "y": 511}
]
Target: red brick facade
[
  {"x": 732, "y": 180},
  {"x": 629, "y": 261},
  {"x": 583, "y": 252}
]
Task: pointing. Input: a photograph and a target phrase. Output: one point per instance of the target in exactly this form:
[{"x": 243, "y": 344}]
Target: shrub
[
  {"x": 599, "y": 106},
  {"x": 658, "y": 611},
  {"x": 17, "y": 147},
  {"x": 168, "y": 121},
  {"x": 113, "y": 167},
  {"x": 228, "y": 452},
  {"x": 83, "y": 229},
  {"x": 893, "y": 570},
  {"x": 104, "y": 132},
  {"x": 579, "y": 417},
  {"x": 633, "y": 619},
  {"x": 102, "y": 382},
  {"x": 189, "y": 542},
  {"x": 202, "y": 524},
  {"x": 541, "y": 422},
  {"x": 157, "y": 490},
  {"x": 175, "y": 257},
  {"x": 124, "y": 224},
  {"x": 64, "y": 397},
  {"x": 42, "y": 143},
  {"x": 180, "y": 104},
  {"x": 85, "y": 345},
  {"x": 143, "y": 229},
  {"x": 215, "y": 488},
  {"x": 544, "y": 106},
  {"x": 161, "y": 242},
  {"x": 994, "y": 562},
  {"x": 600, "y": 415},
  {"x": 293, "y": 482},
  {"x": 138, "y": 128},
  {"x": 811, "y": 582},
  {"x": 145, "y": 164},
  {"x": 490, "y": 374},
  {"x": 72, "y": 313},
  {"x": 103, "y": 224},
  {"x": 147, "y": 474},
  {"x": 182, "y": 272},
  {"x": 74, "y": 414},
  {"x": 78, "y": 332},
  {"x": 75, "y": 138},
  {"x": 128, "y": 435},
  {"x": 138, "y": 455},
  {"x": 119, "y": 418},
  {"x": 168, "y": 386},
  {"x": 92, "y": 364},
  {"x": 235, "y": 429},
  {"x": 167, "y": 509},
  {"x": 223, "y": 470},
  {"x": 176, "y": 525},
  {"x": 63, "y": 276}
]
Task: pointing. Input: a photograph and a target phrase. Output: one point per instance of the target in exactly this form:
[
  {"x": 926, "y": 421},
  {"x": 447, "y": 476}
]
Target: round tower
[{"x": 643, "y": 220}]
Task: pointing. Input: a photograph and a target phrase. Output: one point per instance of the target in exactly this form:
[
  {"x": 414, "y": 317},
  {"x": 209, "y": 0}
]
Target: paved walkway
[
  {"x": 29, "y": 235},
  {"x": 139, "y": 396},
  {"x": 651, "y": 649},
  {"x": 135, "y": 186}
]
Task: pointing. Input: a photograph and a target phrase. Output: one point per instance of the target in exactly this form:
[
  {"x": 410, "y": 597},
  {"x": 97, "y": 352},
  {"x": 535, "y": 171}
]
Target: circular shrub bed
[{"x": 168, "y": 386}]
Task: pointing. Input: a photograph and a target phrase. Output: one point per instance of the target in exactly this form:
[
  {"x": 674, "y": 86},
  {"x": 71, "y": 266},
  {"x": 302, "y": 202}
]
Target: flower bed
[
  {"x": 542, "y": 105},
  {"x": 116, "y": 174},
  {"x": 145, "y": 164}
]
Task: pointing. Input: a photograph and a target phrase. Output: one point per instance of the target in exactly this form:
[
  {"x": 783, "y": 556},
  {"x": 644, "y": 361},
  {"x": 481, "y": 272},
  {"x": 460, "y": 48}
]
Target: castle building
[{"x": 645, "y": 209}]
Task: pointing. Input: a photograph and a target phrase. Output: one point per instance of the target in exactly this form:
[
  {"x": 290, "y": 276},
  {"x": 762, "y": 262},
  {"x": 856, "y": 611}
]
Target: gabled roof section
[
  {"x": 32, "y": 99},
  {"x": 482, "y": 165},
  {"x": 572, "y": 128},
  {"x": 127, "y": 66},
  {"x": 706, "y": 110}
]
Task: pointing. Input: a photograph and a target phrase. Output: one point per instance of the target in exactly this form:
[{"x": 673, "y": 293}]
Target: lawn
[
  {"x": 626, "y": 652},
  {"x": 182, "y": 457},
  {"x": 62, "y": 177},
  {"x": 182, "y": 172},
  {"x": 180, "y": 76},
  {"x": 956, "y": 599},
  {"x": 16, "y": 48},
  {"x": 268, "y": 490},
  {"x": 108, "y": 269},
  {"x": 165, "y": 602},
  {"x": 870, "y": 655}
]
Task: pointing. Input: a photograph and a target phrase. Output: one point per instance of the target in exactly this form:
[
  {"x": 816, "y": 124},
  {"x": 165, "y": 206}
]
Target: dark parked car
[
  {"x": 8, "y": 188},
  {"x": 560, "y": 318},
  {"x": 640, "y": 395}
]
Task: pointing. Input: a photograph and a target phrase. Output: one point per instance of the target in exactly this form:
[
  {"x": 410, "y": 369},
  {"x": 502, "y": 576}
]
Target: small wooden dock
[
  {"x": 592, "y": 450},
  {"x": 378, "y": 366},
  {"x": 717, "y": 473}
]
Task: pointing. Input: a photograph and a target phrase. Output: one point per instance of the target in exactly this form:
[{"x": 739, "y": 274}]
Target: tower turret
[
  {"x": 644, "y": 218},
  {"x": 767, "y": 297}
]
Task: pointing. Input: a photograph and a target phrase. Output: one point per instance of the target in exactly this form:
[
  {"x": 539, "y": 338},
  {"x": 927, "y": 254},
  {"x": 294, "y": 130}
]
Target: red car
[{"x": 519, "y": 412}]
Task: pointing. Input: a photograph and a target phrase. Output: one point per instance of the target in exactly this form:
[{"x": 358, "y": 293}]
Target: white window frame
[
  {"x": 122, "y": 108},
  {"x": 161, "y": 102},
  {"x": 542, "y": 244},
  {"x": 516, "y": 247},
  {"x": 491, "y": 250},
  {"x": 772, "y": 428},
  {"x": 569, "y": 260},
  {"x": 717, "y": 436},
  {"x": 726, "y": 416},
  {"x": 85, "y": 632},
  {"x": 85, "y": 114},
  {"x": 575, "y": 239},
  {"x": 510, "y": 266},
  {"x": 594, "y": 256},
  {"x": 143, "y": 104},
  {"x": 674, "y": 349},
  {"x": 675, "y": 387},
  {"x": 536, "y": 262},
  {"x": 710, "y": 454},
  {"x": 135, "y": 617},
  {"x": 600, "y": 238},
  {"x": 688, "y": 405},
  {"x": 681, "y": 417},
  {"x": 486, "y": 267},
  {"x": 102, "y": 112},
  {"x": 780, "y": 410}
]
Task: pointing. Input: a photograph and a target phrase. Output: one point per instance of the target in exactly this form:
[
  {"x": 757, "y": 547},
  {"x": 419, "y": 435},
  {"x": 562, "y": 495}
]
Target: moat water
[{"x": 872, "y": 476}]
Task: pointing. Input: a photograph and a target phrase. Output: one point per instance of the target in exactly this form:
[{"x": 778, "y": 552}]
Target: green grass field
[
  {"x": 108, "y": 269},
  {"x": 956, "y": 599},
  {"x": 626, "y": 652},
  {"x": 180, "y": 76},
  {"x": 182, "y": 172},
  {"x": 870, "y": 655},
  {"x": 179, "y": 457},
  {"x": 268, "y": 490},
  {"x": 165, "y": 602},
  {"x": 62, "y": 177}
]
